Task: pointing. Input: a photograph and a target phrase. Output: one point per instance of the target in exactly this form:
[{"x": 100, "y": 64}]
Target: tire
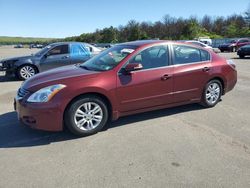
[
  {"x": 212, "y": 93},
  {"x": 80, "y": 118},
  {"x": 222, "y": 51},
  {"x": 24, "y": 72},
  {"x": 241, "y": 56},
  {"x": 233, "y": 49}
]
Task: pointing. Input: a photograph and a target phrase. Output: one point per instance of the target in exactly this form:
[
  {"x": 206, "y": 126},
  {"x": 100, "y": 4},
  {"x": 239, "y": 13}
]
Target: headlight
[{"x": 45, "y": 94}]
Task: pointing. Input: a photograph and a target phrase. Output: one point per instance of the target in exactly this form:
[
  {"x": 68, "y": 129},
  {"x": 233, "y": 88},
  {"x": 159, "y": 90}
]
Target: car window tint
[
  {"x": 205, "y": 56},
  {"x": 186, "y": 54},
  {"x": 79, "y": 50},
  {"x": 244, "y": 40},
  {"x": 153, "y": 57},
  {"x": 58, "y": 50}
]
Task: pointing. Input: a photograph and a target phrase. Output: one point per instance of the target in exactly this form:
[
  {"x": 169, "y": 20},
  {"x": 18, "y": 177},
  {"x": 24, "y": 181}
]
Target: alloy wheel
[
  {"x": 213, "y": 93},
  {"x": 88, "y": 116},
  {"x": 27, "y": 71}
]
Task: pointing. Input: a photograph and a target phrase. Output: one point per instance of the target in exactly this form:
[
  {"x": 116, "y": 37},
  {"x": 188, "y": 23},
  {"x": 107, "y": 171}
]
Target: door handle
[
  {"x": 206, "y": 69},
  {"x": 166, "y": 77},
  {"x": 65, "y": 57}
]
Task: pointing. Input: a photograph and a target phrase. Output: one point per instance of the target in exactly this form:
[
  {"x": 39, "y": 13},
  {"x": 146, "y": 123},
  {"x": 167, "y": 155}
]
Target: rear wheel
[
  {"x": 86, "y": 116},
  {"x": 212, "y": 93},
  {"x": 26, "y": 71}
]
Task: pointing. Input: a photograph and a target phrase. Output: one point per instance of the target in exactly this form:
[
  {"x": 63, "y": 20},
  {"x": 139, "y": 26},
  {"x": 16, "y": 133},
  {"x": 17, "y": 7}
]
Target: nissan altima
[{"x": 126, "y": 79}]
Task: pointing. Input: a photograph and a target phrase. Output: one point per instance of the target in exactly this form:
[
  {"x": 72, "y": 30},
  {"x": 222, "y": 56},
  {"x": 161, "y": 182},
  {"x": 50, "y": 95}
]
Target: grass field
[{"x": 25, "y": 40}]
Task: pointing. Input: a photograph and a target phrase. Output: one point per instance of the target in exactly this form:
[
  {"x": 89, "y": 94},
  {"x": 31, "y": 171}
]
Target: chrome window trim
[
  {"x": 154, "y": 45},
  {"x": 171, "y": 57}
]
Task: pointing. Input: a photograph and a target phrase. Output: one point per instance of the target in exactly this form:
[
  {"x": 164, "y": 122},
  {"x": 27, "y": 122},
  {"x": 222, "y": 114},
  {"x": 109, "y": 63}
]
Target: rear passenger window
[{"x": 187, "y": 54}]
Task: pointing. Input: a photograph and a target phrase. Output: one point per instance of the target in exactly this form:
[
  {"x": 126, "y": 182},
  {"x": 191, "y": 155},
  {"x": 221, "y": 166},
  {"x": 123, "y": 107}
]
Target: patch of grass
[{"x": 5, "y": 40}]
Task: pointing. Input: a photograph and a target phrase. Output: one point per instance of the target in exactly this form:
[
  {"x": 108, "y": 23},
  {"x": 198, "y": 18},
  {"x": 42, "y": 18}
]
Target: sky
[{"x": 64, "y": 18}]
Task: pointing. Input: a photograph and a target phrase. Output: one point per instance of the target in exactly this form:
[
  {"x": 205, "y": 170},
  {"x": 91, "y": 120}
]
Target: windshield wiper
[{"x": 85, "y": 67}]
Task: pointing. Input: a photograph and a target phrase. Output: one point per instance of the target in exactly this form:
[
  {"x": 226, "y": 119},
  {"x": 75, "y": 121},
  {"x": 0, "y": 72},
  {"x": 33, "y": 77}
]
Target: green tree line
[{"x": 171, "y": 28}]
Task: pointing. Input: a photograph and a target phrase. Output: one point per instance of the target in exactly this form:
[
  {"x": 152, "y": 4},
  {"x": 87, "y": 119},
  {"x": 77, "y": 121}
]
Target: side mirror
[{"x": 133, "y": 67}]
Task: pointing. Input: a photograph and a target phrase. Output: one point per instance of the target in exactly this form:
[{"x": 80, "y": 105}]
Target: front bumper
[
  {"x": 47, "y": 116},
  {"x": 243, "y": 52},
  {"x": 3, "y": 68}
]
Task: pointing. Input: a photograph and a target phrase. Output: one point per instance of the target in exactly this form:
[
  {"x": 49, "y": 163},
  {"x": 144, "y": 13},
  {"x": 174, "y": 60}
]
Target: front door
[
  {"x": 150, "y": 87},
  {"x": 56, "y": 57}
]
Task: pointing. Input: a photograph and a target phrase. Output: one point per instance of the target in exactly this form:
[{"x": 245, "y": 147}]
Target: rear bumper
[
  {"x": 47, "y": 117},
  {"x": 231, "y": 81}
]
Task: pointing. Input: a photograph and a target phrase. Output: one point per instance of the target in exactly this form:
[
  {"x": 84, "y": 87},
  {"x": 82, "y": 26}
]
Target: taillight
[{"x": 231, "y": 63}]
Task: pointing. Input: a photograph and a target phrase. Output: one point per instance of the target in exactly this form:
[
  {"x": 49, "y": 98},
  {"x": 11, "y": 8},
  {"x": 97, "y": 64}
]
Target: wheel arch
[
  {"x": 221, "y": 80},
  {"x": 100, "y": 95},
  {"x": 24, "y": 64}
]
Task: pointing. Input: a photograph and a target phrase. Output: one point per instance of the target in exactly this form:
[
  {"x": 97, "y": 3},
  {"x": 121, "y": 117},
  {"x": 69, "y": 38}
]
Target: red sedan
[{"x": 126, "y": 79}]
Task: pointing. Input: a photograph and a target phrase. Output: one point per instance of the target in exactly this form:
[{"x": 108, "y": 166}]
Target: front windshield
[
  {"x": 42, "y": 51},
  {"x": 109, "y": 58}
]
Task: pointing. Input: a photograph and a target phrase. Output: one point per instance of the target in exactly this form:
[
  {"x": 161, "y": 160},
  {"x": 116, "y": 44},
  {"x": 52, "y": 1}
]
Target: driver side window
[
  {"x": 59, "y": 50},
  {"x": 152, "y": 57}
]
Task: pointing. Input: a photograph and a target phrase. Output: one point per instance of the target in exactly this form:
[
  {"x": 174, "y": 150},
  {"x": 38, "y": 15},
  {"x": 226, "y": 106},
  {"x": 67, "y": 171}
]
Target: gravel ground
[{"x": 187, "y": 146}]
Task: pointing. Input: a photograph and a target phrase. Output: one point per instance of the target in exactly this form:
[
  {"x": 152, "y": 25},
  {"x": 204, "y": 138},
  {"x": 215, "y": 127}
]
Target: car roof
[
  {"x": 62, "y": 43},
  {"x": 143, "y": 42}
]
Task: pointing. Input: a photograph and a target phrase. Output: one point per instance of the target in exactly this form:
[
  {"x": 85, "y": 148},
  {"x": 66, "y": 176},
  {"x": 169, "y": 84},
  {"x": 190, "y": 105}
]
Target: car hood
[
  {"x": 63, "y": 75},
  {"x": 18, "y": 58}
]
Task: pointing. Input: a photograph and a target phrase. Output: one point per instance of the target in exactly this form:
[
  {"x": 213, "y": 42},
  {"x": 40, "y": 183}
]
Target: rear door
[
  {"x": 56, "y": 57},
  {"x": 152, "y": 86},
  {"x": 192, "y": 67}
]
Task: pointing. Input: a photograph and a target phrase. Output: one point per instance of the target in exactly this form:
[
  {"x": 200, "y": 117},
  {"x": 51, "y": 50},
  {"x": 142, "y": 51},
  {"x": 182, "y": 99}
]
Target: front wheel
[
  {"x": 86, "y": 116},
  {"x": 212, "y": 93},
  {"x": 25, "y": 72}
]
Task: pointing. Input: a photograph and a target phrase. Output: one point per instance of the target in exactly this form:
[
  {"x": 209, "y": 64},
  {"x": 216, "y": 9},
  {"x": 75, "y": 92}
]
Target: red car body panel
[{"x": 140, "y": 91}]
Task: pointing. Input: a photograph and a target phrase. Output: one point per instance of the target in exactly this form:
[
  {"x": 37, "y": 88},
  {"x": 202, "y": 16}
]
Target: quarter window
[
  {"x": 58, "y": 50},
  {"x": 205, "y": 56},
  {"x": 153, "y": 57},
  {"x": 187, "y": 54}
]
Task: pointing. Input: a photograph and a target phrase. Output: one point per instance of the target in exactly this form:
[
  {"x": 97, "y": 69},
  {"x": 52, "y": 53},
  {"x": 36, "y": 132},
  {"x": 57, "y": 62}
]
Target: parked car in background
[
  {"x": 51, "y": 56},
  {"x": 36, "y": 46},
  {"x": 198, "y": 43},
  {"x": 125, "y": 79},
  {"x": 244, "y": 51},
  {"x": 234, "y": 45},
  {"x": 18, "y": 46},
  {"x": 205, "y": 40}
]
